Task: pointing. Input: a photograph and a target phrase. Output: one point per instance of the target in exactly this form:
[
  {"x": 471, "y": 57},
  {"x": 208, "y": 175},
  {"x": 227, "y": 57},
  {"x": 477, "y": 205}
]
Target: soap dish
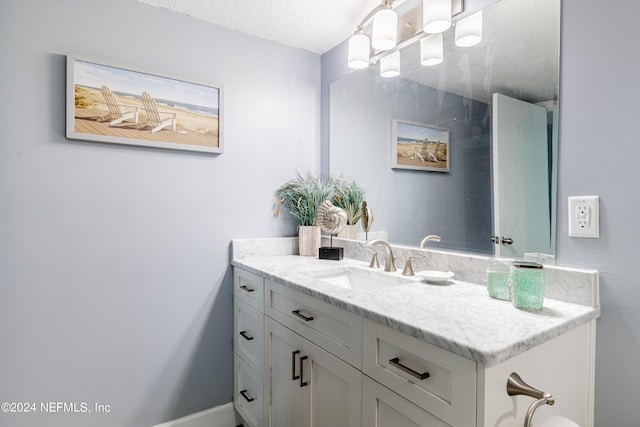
[{"x": 436, "y": 276}]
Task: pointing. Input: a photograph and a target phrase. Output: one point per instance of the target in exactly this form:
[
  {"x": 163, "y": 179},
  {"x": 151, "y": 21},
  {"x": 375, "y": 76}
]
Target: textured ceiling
[
  {"x": 313, "y": 25},
  {"x": 517, "y": 34}
]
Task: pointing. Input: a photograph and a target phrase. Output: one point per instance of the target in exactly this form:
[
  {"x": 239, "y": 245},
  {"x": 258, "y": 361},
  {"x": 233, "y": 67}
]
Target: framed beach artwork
[
  {"x": 419, "y": 146},
  {"x": 114, "y": 104}
]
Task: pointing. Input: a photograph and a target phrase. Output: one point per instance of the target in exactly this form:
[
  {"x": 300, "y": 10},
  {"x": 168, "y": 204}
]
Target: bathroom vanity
[{"x": 308, "y": 351}]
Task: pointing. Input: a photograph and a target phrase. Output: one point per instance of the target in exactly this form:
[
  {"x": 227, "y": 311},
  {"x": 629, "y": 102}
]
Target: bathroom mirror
[{"x": 518, "y": 59}]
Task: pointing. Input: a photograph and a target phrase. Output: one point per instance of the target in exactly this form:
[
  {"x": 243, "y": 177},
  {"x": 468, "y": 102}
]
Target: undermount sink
[{"x": 357, "y": 278}]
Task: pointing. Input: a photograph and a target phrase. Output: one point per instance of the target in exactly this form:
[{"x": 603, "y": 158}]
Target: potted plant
[
  {"x": 301, "y": 197},
  {"x": 348, "y": 195}
]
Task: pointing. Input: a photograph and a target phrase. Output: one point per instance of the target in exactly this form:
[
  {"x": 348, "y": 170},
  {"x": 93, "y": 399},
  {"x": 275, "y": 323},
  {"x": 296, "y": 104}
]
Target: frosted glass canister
[
  {"x": 498, "y": 272},
  {"x": 527, "y": 285}
]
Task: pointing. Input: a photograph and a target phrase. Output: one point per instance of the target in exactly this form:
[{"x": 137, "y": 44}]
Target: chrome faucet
[
  {"x": 389, "y": 264},
  {"x": 429, "y": 238}
]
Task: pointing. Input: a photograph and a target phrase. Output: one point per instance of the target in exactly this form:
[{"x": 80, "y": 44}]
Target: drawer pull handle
[
  {"x": 246, "y": 336},
  {"x": 302, "y": 383},
  {"x": 302, "y": 316},
  {"x": 396, "y": 362},
  {"x": 293, "y": 365},
  {"x": 246, "y": 288},
  {"x": 246, "y": 396}
]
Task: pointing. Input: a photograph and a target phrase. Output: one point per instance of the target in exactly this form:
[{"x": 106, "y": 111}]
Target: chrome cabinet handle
[
  {"x": 246, "y": 288},
  {"x": 302, "y": 383},
  {"x": 244, "y": 394},
  {"x": 302, "y": 316},
  {"x": 396, "y": 362},
  {"x": 246, "y": 336},
  {"x": 293, "y": 365}
]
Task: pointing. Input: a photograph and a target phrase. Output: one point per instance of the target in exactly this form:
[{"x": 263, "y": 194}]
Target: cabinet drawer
[
  {"x": 336, "y": 330},
  {"x": 383, "y": 408},
  {"x": 441, "y": 382},
  {"x": 248, "y": 327},
  {"x": 249, "y": 288},
  {"x": 248, "y": 394}
]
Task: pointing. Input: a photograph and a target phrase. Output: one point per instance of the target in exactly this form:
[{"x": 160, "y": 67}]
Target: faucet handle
[
  {"x": 408, "y": 269},
  {"x": 374, "y": 260}
]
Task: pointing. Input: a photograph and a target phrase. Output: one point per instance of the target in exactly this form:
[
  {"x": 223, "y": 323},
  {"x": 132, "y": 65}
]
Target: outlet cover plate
[{"x": 584, "y": 216}]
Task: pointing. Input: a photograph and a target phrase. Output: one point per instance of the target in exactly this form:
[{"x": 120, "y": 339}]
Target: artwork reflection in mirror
[
  {"x": 518, "y": 57},
  {"x": 419, "y": 146}
]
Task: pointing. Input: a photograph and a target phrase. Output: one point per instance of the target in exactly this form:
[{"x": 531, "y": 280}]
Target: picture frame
[
  {"x": 419, "y": 146},
  {"x": 125, "y": 105}
]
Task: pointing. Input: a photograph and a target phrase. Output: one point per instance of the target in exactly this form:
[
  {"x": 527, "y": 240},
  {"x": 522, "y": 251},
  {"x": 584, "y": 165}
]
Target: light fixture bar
[{"x": 410, "y": 28}]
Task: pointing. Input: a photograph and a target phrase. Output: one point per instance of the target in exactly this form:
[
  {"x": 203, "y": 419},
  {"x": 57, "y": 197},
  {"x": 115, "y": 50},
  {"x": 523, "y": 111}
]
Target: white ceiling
[
  {"x": 517, "y": 34},
  {"x": 313, "y": 25}
]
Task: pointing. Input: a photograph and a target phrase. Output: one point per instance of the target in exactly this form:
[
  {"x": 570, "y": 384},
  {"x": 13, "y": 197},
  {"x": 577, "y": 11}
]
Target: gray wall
[
  {"x": 114, "y": 278},
  {"x": 598, "y": 154}
]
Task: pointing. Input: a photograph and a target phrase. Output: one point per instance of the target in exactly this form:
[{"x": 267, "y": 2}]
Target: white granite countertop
[{"x": 457, "y": 316}]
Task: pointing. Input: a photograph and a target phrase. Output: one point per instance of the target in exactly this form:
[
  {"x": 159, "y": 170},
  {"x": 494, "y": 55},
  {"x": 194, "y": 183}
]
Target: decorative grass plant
[
  {"x": 302, "y": 197},
  {"x": 348, "y": 195}
]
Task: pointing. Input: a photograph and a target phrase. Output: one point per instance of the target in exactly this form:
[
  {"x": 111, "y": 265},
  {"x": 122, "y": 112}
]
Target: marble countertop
[{"x": 457, "y": 316}]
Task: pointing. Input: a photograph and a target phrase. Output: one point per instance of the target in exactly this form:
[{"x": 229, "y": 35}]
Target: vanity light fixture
[
  {"x": 385, "y": 28},
  {"x": 436, "y": 15},
  {"x": 390, "y": 32},
  {"x": 359, "y": 50},
  {"x": 432, "y": 50},
  {"x": 469, "y": 30},
  {"x": 390, "y": 65}
]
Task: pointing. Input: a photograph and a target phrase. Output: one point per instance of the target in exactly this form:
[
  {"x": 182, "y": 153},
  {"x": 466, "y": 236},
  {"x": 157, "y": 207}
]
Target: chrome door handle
[
  {"x": 396, "y": 362},
  {"x": 302, "y": 316},
  {"x": 506, "y": 241}
]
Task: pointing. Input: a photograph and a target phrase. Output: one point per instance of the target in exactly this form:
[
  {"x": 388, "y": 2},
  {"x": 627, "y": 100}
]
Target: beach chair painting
[
  {"x": 122, "y": 105},
  {"x": 118, "y": 112},
  {"x": 419, "y": 146},
  {"x": 428, "y": 152},
  {"x": 155, "y": 116}
]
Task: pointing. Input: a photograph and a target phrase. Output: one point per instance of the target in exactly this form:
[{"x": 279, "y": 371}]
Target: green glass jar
[
  {"x": 498, "y": 272},
  {"x": 527, "y": 285}
]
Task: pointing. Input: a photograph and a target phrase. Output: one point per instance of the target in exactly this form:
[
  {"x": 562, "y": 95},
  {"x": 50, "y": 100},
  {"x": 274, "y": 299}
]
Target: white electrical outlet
[{"x": 584, "y": 216}]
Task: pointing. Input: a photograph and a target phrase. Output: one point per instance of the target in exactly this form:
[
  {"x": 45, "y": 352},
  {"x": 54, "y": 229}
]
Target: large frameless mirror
[{"x": 489, "y": 186}]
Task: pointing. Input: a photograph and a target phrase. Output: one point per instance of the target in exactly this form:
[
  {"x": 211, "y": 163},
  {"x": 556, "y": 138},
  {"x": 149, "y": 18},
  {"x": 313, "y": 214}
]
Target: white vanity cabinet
[
  {"x": 438, "y": 381},
  {"x": 307, "y": 386},
  {"x": 303, "y": 362},
  {"x": 248, "y": 346}
]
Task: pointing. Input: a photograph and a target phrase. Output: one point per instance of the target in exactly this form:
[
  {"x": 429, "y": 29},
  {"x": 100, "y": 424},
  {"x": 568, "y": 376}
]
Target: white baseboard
[{"x": 220, "y": 416}]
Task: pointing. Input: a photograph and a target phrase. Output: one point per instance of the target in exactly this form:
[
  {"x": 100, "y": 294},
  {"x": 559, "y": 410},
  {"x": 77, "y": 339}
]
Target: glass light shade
[
  {"x": 390, "y": 65},
  {"x": 359, "y": 50},
  {"x": 469, "y": 30},
  {"x": 385, "y": 29},
  {"x": 431, "y": 50},
  {"x": 436, "y": 15}
]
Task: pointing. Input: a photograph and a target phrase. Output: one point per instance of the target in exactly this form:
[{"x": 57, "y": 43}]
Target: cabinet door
[
  {"x": 383, "y": 408},
  {"x": 248, "y": 333},
  {"x": 283, "y": 393},
  {"x": 305, "y": 385},
  {"x": 333, "y": 395}
]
